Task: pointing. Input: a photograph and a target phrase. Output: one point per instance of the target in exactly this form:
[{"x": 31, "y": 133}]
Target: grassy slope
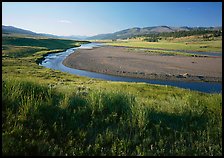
[
  {"x": 193, "y": 44},
  {"x": 20, "y": 46},
  {"x": 48, "y": 112}
]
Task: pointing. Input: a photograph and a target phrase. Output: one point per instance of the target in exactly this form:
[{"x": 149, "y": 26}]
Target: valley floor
[{"x": 53, "y": 113}]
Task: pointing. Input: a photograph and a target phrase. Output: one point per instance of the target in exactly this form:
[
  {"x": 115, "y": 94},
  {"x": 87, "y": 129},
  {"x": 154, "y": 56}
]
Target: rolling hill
[
  {"x": 127, "y": 33},
  {"x": 123, "y": 34},
  {"x": 15, "y": 30}
]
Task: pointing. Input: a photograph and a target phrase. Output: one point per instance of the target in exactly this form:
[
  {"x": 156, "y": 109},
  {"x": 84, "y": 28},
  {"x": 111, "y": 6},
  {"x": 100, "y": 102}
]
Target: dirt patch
[{"x": 125, "y": 62}]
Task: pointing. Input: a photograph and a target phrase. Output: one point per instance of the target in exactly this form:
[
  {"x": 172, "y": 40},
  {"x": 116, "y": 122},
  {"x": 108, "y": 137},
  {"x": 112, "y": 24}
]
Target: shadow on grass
[{"x": 180, "y": 122}]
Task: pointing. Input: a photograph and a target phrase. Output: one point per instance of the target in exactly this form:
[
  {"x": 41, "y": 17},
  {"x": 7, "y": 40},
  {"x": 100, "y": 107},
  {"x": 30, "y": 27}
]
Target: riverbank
[{"x": 121, "y": 61}]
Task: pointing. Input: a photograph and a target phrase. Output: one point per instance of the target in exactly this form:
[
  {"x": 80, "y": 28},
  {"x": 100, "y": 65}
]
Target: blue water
[{"x": 54, "y": 61}]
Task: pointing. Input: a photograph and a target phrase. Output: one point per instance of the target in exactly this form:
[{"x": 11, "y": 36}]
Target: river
[{"x": 54, "y": 61}]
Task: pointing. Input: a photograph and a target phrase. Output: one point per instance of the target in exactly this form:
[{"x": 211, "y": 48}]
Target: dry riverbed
[{"x": 121, "y": 61}]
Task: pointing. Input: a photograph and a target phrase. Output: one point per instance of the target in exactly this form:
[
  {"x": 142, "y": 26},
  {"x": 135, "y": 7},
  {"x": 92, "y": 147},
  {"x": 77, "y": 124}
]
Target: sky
[{"x": 92, "y": 18}]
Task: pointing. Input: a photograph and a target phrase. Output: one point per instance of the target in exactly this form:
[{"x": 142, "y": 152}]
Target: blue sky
[{"x": 91, "y": 18}]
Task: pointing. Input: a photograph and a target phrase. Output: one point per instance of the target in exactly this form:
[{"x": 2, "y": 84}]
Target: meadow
[
  {"x": 189, "y": 43},
  {"x": 48, "y": 112}
]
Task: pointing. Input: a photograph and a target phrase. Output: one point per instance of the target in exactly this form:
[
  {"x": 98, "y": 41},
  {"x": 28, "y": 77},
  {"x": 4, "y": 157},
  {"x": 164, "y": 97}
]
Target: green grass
[
  {"x": 48, "y": 112},
  {"x": 39, "y": 119},
  {"x": 20, "y": 51},
  {"x": 50, "y": 43},
  {"x": 19, "y": 46},
  {"x": 205, "y": 46}
]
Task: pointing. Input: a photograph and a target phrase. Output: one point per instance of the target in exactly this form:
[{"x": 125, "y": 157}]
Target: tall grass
[{"x": 39, "y": 119}]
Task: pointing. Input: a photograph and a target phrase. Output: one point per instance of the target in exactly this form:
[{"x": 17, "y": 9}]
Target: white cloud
[{"x": 65, "y": 21}]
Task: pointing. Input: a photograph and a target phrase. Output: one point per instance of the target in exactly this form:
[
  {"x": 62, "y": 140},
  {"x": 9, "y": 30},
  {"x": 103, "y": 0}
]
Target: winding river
[{"x": 54, "y": 61}]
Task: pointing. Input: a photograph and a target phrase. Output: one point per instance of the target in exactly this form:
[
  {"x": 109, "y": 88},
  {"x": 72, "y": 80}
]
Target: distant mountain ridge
[
  {"x": 11, "y": 29},
  {"x": 15, "y": 30},
  {"x": 127, "y": 33}
]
